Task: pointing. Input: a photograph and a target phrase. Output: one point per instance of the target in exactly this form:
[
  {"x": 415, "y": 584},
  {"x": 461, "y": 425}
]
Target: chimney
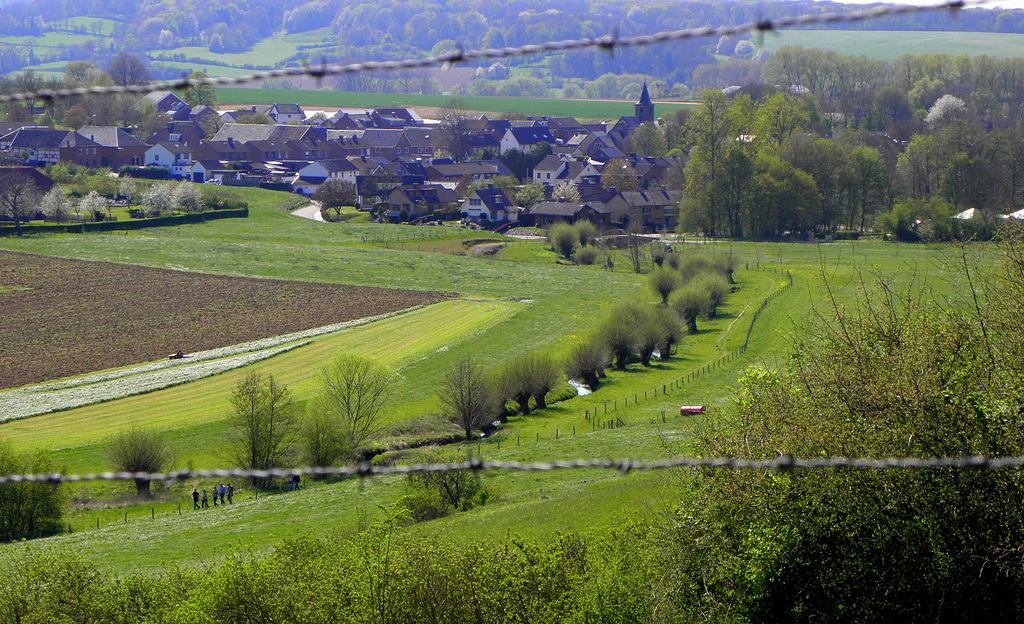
[
  {"x": 231, "y": 142},
  {"x": 490, "y": 186}
]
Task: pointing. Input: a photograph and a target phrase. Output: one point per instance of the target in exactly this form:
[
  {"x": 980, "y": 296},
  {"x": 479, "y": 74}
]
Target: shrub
[
  {"x": 717, "y": 289},
  {"x": 29, "y": 509},
  {"x": 586, "y": 232},
  {"x": 431, "y": 495},
  {"x": 563, "y": 239},
  {"x": 585, "y": 255}
]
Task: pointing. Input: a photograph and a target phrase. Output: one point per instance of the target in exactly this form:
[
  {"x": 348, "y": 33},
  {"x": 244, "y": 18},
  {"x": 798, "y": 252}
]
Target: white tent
[
  {"x": 1014, "y": 215},
  {"x": 969, "y": 215}
]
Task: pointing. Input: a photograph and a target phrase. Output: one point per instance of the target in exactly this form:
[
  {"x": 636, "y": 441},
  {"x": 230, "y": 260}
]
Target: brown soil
[{"x": 67, "y": 317}]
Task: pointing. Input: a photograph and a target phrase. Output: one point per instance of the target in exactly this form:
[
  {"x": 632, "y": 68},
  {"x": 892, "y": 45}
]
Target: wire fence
[
  {"x": 780, "y": 463},
  {"x": 609, "y": 42}
]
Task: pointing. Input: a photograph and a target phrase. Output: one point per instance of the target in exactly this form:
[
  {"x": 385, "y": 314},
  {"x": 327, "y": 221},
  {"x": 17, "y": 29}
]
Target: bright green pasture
[
  {"x": 106, "y": 26},
  {"x": 556, "y": 107},
  {"x": 266, "y": 53},
  {"x": 522, "y": 299},
  {"x": 887, "y": 45}
]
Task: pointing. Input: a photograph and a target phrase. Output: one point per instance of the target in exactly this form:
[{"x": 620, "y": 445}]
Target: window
[{"x": 647, "y": 210}]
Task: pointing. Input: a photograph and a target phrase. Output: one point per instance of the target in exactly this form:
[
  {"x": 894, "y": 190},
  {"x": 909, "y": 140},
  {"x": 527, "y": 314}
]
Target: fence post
[
  {"x": 179, "y": 509},
  {"x": 556, "y": 433},
  {"x": 152, "y": 511},
  {"x": 538, "y": 436},
  {"x": 126, "y": 517},
  {"x": 97, "y": 523}
]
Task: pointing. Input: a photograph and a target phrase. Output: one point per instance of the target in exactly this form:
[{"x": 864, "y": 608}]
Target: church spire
[{"x": 644, "y": 109}]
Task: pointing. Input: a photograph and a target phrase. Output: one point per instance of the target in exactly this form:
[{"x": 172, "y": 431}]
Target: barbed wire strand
[
  {"x": 606, "y": 42},
  {"x": 781, "y": 463}
]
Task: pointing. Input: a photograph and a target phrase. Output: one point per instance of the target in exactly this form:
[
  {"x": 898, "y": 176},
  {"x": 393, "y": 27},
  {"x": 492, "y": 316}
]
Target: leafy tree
[
  {"x": 529, "y": 195},
  {"x": 649, "y": 141},
  {"x": 29, "y": 509},
  {"x": 335, "y": 193},
  {"x": 563, "y": 239},
  {"x": 431, "y": 495},
  {"x": 263, "y": 424},
  {"x": 197, "y": 94},
  {"x": 354, "y": 391},
  {"x": 187, "y": 197},
  {"x": 139, "y": 450},
  {"x": 890, "y": 376},
  {"x": 467, "y": 398},
  {"x": 75, "y": 117},
  {"x": 529, "y": 375},
  {"x": 618, "y": 331}
]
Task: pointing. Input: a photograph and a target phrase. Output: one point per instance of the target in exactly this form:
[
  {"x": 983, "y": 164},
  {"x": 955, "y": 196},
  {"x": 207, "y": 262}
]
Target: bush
[
  {"x": 149, "y": 172},
  {"x": 717, "y": 289},
  {"x": 29, "y": 509},
  {"x": 431, "y": 495},
  {"x": 586, "y": 232},
  {"x": 585, "y": 255},
  {"x": 563, "y": 239},
  {"x": 219, "y": 199}
]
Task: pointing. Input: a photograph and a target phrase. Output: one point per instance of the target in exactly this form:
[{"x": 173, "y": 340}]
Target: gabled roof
[
  {"x": 428, "y": 193},
  {"x": 289, "y": 109},
  {"x": 550, "y": 162},
  {"x": 37, "y": 137},
  {"x": 337, "y": 165},
  {"x": 422, "y": 136},
  {"x": 638, "y": 199},
  {"x": 260, "y": 132},
  {"x": 531, "y": 135},
  {"x": 110, "y": 136},
  {"x": 493, "y": 197},
  {"x": 378, "y": 137},
  {"x": 174, "y": 148},
  {"x": 208, "y": 164}
]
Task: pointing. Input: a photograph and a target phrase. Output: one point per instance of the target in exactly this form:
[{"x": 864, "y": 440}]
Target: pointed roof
[{"x": 645, "y": 98}]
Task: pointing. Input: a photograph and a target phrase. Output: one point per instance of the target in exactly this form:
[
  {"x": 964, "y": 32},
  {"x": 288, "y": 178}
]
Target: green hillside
[{"x": 887, "y": 44}]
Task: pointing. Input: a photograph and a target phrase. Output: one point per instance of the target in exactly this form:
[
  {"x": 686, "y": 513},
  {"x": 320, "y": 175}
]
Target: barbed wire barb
[{"x": 607, "y": 42}]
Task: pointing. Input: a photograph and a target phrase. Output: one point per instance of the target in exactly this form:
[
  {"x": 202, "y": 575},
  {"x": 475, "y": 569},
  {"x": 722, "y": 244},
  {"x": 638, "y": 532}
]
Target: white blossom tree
[
  {"x": 158, "y": 199},
  {"x": 187, "y": 197},
  {"x": 90, "y": 205},
  {"x": 944, "y": 110},
  {"x": 55, "y": 205}
]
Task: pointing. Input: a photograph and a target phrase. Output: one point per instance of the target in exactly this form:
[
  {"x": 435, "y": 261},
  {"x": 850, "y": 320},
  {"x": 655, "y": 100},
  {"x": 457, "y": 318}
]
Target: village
[{"x": 403, "y": 168}]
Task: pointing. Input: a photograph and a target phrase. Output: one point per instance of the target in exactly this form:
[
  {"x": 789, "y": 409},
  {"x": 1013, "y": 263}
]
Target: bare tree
[
  {"x": 140, "y": 450},
  {"x": 263, "y": 424},
  {"x": 454, "y": 128},
  {"x": 467, "y": 398},
  {"x": 127, "y": 69},
  {"x": 354, "y": 390},
  {"x": 19, "y": 193}
]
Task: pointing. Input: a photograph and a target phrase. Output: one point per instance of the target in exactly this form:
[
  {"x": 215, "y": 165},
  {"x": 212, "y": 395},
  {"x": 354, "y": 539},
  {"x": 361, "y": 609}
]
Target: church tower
[{"x": 644, "y": 109}]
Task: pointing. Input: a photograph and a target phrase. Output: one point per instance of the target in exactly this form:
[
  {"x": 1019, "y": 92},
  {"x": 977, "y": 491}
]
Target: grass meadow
[
  {"x": 887, "y": 45},
  {"x": 555, "y": 107},
  {"x": 521, "y": 299}
]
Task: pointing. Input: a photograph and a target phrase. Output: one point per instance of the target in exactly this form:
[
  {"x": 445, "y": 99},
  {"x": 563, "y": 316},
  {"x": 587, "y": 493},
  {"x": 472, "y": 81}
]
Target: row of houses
[{"x": 391, "y": 155}]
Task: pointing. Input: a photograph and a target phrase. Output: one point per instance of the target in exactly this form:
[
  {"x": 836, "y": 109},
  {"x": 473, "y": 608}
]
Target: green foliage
[
  {"x": 430, "y": 495},
  {"x": 529, "y": 375},
  {"x": 468, "y": 398},
  {"x": 891, "y": 376},
  {"x": 140, "y": 450},
  {"x": 691, "y": 302},
  {"x": 585, "y": 255},
  {"x": 662, "y": 281},
  {"x": 586, "y": 231},
  {"x": 716, "y": 287},
  {"x": 29, "y": 509},
  {"x": 263, "y": 425},
  {"x": 587, "y": 361},
  {"x": 564, "y": 239},
  {"x": 354, "y": 392}
]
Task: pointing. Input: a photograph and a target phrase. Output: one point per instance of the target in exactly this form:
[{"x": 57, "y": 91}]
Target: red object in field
[{"x": 689, "y": 410}]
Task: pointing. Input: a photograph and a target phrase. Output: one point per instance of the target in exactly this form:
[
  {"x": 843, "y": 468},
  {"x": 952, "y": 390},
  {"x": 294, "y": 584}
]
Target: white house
[
  {"x": 524, "y": 138},
  {"x": 174, "y": 156}
]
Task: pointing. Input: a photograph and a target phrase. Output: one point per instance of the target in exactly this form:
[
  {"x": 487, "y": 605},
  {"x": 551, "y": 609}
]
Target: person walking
[
  {"x": 205, "y": 506},
  {"x": 222, "y": 491},
  {"x": 195, "y": 498},
  {"x": 231, "y": 493}
]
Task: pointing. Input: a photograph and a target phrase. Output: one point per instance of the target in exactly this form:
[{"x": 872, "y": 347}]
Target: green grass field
[
  {"x": 887, "y": 45},
  {"x": 519, "y": 300},
  {"x": 588, "y": 109}
]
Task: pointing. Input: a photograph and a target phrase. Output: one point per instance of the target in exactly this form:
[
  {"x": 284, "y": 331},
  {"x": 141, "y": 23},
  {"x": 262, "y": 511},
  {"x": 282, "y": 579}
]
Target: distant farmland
[{"x": 888, "y": 44}]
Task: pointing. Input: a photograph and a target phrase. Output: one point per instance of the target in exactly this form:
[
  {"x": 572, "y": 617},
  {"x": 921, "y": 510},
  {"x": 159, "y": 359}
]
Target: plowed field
[{"x": 66, "y": 317}]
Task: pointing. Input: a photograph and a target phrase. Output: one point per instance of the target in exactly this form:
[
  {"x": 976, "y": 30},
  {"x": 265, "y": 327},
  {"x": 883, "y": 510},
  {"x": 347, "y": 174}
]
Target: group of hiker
[{"x": 219, "y": 491}]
